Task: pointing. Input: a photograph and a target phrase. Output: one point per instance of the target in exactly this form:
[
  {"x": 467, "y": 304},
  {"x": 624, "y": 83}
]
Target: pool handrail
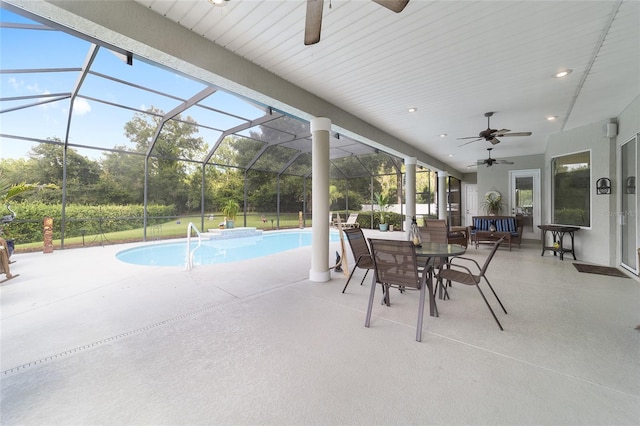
[{"x": 189, "y": 262}]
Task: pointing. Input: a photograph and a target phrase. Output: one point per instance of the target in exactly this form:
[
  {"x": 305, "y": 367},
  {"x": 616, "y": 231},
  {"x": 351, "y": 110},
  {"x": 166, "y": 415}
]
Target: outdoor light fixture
[
  {"x": 603, "y": 186},
  {"x": 631, "y": 185}
]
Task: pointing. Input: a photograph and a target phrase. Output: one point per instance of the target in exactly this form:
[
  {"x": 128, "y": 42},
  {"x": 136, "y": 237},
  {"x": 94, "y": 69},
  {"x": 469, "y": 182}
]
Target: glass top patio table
[
  {"x": 429, "y": 249},
  {"x": 443, "y": 251}
]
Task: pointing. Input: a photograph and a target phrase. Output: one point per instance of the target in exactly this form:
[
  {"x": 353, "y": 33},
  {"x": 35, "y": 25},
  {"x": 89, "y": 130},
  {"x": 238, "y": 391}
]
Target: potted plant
[
  {"x": 492, "y": 203},
  {"x": 383, "y": 203},
  {"x": 230, "y": 210}
]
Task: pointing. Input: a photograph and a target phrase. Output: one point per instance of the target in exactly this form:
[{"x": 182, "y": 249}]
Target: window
[{"x": 571, "y": 180}]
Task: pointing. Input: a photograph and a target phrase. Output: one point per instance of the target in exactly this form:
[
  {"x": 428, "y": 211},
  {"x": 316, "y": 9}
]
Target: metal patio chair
[
  {"x": 395, "y": 265},
  {"x": 454, "y": 271},
  {"x": 361, "y": 252}
]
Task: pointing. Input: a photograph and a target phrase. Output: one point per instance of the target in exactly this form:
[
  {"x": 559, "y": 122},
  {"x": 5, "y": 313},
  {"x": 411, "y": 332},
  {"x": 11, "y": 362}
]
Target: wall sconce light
[
  {"x": 603, "y": 186},
  {"x": 631, "y": 185}
]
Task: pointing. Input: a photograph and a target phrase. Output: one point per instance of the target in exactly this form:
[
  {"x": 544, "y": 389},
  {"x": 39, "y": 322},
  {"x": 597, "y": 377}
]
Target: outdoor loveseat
[{"x": 488, "y": 229}]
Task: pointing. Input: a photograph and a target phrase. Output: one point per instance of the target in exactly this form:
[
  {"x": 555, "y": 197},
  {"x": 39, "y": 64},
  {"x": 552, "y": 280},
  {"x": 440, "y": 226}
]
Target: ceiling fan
[
  {"x": 490, "y": 135},
  {"x": 314, "y": 16},
  {"x": 491, "y": 161}
]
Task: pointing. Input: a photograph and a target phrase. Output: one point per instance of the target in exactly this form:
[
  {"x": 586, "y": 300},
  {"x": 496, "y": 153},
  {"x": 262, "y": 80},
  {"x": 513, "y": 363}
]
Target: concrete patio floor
[{"x": 87, "y": 339}]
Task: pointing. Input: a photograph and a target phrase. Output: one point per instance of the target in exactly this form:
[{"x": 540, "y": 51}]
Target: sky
[{"x": 93, "y": 123}]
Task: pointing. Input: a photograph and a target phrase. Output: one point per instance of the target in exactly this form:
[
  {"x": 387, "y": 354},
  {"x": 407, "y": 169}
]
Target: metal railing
[{"x": 189, "y": 262}]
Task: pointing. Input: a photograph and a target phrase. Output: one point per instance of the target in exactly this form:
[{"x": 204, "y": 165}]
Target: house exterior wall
[
  {"x": 497, "y": 177},
  {"x": 629, "y": 121},
  {"x": 598, "y": 243}
]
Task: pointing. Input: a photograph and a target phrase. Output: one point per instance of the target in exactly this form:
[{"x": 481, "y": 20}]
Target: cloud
[
  {"x": 19, "y": 85},
  {"x": 81, "y": 107},
  {"x": 14, "y": 83}
]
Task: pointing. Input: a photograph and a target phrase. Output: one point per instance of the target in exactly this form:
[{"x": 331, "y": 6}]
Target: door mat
[{"x": 600, "y": 270}]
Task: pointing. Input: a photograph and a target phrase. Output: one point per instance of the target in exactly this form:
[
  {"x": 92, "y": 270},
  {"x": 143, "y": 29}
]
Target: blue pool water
[{"x": 218, "y": 251}]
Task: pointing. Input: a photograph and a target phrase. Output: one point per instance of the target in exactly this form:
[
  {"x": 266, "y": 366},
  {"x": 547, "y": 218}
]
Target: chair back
[
  {"x": 435, "y": 223},
  {"x": 434, "y": 231},
  {"x": 352, "y": 219},
  {"x": 395, "y": 263},
  {"x": 358, "y": 244},
  {"x": 488, "y": 260}
]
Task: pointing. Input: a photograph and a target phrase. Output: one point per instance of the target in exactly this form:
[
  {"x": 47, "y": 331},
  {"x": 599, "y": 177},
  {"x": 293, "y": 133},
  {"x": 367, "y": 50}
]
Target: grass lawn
[{"x": 171, "y": 229}]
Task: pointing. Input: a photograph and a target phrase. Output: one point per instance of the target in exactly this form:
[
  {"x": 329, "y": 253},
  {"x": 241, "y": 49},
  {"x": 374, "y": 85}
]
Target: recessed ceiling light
[
  {"x": 443, "y": 135},
  {"x": 563, "y": 73},
  {"x": 552, "y": 117},
  {"x": 451, "y": 155},
  {"x": 413, "y": 109},
  {"x": 220, "y": 3}
]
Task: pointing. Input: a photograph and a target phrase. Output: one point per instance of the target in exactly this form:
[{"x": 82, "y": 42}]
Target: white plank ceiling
[{"x": 452, "y": 60}]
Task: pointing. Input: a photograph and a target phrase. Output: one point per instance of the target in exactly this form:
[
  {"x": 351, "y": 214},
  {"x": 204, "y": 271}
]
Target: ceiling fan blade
[
  {"x": 504, "y": 162},
  {"x": 500, "y": 132},
  {"x": 494, "y": 141},
  {"x": 516, "y": 134},
  {"x": 313, "y": 22},
  {"x": 469, "y": 137},
  {"x": 394, "y": 5},
  {"x": 467, "y": 143}
]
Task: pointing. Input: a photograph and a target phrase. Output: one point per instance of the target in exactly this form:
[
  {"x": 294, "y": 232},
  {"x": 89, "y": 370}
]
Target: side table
[{"x": 558, "y": 232}]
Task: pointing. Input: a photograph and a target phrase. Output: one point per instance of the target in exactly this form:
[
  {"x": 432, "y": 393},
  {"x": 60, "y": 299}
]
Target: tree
[
  {"x": 334, "y": 195},
  {"x": 122, "y": 180},
  {"x": 83, "y": 174},
  {"x": 168, "y": 173}
]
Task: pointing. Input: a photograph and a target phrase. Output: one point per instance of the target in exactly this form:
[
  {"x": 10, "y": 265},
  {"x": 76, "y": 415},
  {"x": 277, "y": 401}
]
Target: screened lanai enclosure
[{"x": 137, "y": 151}]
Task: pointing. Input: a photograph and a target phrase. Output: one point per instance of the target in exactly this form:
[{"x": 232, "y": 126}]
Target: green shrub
[
  {"x": 93, "y": 220},
  {"x": 575, "y": 217}
]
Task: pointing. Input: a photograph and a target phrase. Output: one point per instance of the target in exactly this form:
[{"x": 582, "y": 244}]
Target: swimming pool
[{"x": 218, "y": 251}]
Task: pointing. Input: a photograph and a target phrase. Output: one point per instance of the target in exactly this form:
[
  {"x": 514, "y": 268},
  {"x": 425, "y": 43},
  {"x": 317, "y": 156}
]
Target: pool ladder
[{"x": 190, "y": 252}]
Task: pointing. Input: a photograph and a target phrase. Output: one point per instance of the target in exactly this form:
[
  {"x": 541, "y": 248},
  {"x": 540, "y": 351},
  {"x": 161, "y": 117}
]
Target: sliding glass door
[{"x": 629, "y": 204}]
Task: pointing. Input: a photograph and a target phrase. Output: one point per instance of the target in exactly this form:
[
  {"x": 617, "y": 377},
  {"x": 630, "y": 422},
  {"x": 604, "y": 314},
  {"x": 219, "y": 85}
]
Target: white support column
[
  {"x": 442, "y": 195},
  {"x": 320, "y": 128},
  {"x": 410, "y": 192}
]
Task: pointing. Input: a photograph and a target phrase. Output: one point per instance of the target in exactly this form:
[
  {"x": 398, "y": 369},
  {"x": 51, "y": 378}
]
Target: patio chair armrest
[
  {"x": 464, "y": 258},
  {"x": 456, "y": 266}
]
